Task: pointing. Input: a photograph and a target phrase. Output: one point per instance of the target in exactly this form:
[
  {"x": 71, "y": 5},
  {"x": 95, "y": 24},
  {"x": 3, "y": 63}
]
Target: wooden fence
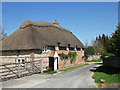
[{"x": 16, "y": 70}]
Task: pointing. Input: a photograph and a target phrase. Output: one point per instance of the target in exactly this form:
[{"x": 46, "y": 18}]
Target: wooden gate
[{"x": 16, "y": 70}]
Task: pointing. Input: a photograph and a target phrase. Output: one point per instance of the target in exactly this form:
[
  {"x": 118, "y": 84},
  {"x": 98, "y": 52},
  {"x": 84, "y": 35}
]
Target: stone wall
[
  {"x": 111, "y": 61},
  {"x": 93, "y": 57}
]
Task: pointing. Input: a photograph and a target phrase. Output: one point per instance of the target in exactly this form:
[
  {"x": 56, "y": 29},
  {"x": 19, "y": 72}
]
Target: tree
[
  {"x": 2, "y": 34},
  {"x": 115, "y": 41},
  {"x": 89, "y": 51},
  {"x": 99, "y": 38},
  {"x": 101, "y": 44},
  {"x": 86, "y": 43}
]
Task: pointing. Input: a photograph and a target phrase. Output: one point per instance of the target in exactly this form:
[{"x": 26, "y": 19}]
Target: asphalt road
[{"x": 76, "y": 78}]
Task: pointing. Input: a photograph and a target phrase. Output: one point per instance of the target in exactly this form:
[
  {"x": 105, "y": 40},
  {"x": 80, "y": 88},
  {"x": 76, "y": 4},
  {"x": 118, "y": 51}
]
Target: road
[{"x": 76, "y": 78}]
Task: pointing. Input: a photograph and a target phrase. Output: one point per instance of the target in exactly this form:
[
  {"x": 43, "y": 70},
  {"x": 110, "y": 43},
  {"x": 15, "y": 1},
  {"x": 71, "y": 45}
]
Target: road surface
[{"x": 76, "y": 78}]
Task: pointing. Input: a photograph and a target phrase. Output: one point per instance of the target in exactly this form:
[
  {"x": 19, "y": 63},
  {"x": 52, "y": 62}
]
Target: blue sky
[{"x": 85, "y": 19}]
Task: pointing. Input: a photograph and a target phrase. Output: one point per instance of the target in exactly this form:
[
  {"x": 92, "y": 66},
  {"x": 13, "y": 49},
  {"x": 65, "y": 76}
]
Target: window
[
  {"x": 21, "y": 61},
  {"x": 71, "y": 48},
  {"x": 44, "y": 49},
  {"x": 62, "y": 48},
  {"x": 18, "y": 60},
  {"x": 51, "y": 47}
]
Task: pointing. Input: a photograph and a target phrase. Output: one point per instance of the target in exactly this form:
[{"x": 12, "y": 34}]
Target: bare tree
[
  {"x": 2, "y": 34},
  {"x": 86, "y": 43}
]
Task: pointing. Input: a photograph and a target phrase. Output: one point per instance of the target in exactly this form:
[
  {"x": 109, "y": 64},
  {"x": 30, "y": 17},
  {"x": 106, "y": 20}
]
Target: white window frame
[
  {"x": 21, "y": 61},
  {"x": 44, "y": 49}
]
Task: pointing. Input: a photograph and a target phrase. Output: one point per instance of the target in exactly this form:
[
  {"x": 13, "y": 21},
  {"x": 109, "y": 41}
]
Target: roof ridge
[
  {"x": 26, "y": 23},
  {"x": 41, "y": 23}
]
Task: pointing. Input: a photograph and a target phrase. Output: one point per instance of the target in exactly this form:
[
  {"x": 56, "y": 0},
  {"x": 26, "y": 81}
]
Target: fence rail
[{"x": 16, "y": 70}]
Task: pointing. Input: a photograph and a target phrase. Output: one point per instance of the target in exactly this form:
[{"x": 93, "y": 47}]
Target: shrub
[
  {"x": 72, "y": 56},
  {"x": 66, "y": 56},
  {"x": 89, "y": 51},
  {"x": 105, "y": 53},
  {"x": 63, "y": 56}
]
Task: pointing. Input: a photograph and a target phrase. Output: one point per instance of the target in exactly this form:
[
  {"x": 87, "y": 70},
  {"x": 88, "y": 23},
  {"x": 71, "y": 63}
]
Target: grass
[
  {"x": 99, "y": 60},
  {"x": 73, "y": 67},
  {"x": 111, "y": 75},
  {"x": 50, "y": 72}
]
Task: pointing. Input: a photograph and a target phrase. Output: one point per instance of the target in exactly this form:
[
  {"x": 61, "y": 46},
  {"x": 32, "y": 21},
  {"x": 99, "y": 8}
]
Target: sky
[{"x": 85, "y": 19}]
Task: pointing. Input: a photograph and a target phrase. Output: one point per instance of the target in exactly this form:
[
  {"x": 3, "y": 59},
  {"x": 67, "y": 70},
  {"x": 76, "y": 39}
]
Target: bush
[
  {"x": 99, "y": 60},
  {"x": 50, "y": 72},
  {"x": 105, "y": 53},
  {"x": 66, "y": 56},
  {"x": 63, "y": 56},
  {"x": 72, "y": 56},
  {"x": 89, "y": 51}
]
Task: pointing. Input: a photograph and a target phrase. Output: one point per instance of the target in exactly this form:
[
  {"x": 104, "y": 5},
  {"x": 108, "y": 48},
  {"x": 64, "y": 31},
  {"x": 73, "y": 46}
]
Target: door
[{"x": 51, "y": 63}]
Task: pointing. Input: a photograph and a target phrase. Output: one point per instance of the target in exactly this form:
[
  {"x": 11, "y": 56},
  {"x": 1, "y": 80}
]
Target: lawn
[
  {"x": 110, "y": 75},
  {"x": 50, "y": 72},
  {"x": 73, "y": 67},
  {"x": 99, "y": 60}
]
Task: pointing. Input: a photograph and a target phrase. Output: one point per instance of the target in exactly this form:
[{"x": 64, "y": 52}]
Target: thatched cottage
[{"x": 41, "y": 40}]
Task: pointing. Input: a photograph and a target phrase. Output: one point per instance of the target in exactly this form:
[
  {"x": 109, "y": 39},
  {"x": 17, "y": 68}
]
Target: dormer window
[
  {"x": 68, "y": 45},
  {"x": 44, "y": 49}
]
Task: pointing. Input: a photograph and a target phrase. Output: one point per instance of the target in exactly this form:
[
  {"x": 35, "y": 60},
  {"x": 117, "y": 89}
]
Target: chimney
[
  {"x": 56, "y": 20},
  {"x": 56, "y": 23}
]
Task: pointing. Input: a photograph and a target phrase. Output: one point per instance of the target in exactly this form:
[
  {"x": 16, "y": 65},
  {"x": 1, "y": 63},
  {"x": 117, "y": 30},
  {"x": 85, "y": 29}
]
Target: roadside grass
[
  {"x": 50, "y": 72},
  {"x": 74, "y": 67},
  {"x": 110, "y": 75},
  {"x": 99, "y": 60}
]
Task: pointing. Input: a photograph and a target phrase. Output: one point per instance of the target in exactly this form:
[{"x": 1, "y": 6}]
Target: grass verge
[
  {"x": 73, "y": 67},
  {"x": 99, "y": 60},
  {"x": 105, "y": 75},
  {"x": 50, "y": 72}
]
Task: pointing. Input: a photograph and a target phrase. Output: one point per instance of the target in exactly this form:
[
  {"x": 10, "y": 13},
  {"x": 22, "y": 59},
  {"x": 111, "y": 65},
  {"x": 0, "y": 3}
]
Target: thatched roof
[{"x": 35, "y": 35}]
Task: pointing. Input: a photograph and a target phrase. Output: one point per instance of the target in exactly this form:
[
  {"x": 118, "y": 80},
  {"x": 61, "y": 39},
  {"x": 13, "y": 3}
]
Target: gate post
[
  {"x": 18, "y": 69},
  {"x": 41, "y": 66},
  {"x": 31, "y": 66}
]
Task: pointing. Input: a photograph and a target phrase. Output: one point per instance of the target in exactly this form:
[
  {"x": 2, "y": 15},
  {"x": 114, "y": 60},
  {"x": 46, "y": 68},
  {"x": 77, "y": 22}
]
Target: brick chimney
[{"x": 56, "y": 23}]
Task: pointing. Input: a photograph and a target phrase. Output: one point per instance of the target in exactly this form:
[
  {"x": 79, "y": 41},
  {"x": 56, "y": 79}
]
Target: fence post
[{"x": 41, "y": 66}]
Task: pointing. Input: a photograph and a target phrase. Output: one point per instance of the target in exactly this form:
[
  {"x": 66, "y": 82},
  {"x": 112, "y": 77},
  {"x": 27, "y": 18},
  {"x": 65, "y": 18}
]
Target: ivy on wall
[
  {"x": 63, "y": 56},
  {"x": 71, "y": 55}
]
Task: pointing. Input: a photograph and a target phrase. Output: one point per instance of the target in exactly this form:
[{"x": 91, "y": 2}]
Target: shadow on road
[
  {"x": 92, "y": 70},
  {"x": 94, "y": 67},
  {"x": 100, "y": 63},
  {"x": 106, "y": 69}
]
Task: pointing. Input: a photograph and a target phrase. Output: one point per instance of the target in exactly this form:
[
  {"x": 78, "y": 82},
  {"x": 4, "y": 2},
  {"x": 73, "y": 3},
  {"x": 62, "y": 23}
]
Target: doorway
[{"x": 53, "y": 63}]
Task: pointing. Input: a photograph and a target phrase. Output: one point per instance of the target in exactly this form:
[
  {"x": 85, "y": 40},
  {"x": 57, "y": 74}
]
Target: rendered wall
[{"x": 11, "y": 57}]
